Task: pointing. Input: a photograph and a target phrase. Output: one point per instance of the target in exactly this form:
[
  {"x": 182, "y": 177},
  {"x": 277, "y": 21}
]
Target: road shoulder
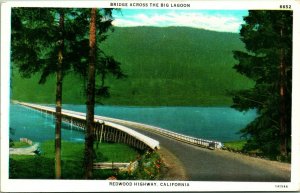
[{"x": 174, "y": 167}]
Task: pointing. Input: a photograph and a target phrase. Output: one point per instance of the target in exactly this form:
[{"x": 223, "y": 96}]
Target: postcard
[{"x": 150, "y": 96}]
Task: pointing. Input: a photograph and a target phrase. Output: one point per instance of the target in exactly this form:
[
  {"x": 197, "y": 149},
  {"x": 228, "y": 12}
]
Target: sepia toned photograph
[{"x": 148, "y": 96}]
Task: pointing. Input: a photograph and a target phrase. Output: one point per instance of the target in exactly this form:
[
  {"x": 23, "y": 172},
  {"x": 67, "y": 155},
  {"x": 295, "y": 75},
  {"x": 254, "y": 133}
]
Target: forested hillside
[{"x": 176, "y": 66}]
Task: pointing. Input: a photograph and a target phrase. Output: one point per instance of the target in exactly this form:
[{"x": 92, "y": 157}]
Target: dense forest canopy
[{"x": 180, "y": 66}]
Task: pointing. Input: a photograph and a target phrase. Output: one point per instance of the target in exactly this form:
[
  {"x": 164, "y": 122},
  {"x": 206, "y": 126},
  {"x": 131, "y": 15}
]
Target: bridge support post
[{"x": 102, "y": 126}]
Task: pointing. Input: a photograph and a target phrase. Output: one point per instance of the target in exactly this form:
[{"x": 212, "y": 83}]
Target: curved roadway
[{"x": 218, "y": 165}]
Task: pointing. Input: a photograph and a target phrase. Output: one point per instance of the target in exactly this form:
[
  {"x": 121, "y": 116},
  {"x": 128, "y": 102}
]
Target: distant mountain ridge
[{"x": 169, "y": 66}]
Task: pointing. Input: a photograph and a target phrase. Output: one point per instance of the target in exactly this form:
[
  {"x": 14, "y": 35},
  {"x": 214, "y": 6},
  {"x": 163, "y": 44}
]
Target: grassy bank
[
  {"x": 172, "y": 66},
  {"x": 19, "y": 144},
  {"x": 235, "y": 145},
  {"x": 42, "y": 166},
  {"x": 238, "y": 146}
]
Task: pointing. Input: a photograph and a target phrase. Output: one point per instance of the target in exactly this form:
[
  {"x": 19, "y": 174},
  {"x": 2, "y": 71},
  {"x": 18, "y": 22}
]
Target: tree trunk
[
  {"x": 283, "y": 125},
  {"x": 89, "y": 138},
  {"x": 59, "y": 99}
]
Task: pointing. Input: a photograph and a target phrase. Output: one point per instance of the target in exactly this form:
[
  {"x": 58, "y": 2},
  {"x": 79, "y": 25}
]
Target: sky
[{"x": 215, "y": 20}]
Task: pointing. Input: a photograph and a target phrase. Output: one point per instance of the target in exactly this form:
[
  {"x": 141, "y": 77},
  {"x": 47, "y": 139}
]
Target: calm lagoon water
[
  {"x": 28, "y": 123},
  {"x": 216, "y": 123}
]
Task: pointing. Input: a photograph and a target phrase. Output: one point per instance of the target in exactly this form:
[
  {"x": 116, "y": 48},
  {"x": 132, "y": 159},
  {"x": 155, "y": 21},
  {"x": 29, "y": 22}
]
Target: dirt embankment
[{"x": 174, "y": 167}]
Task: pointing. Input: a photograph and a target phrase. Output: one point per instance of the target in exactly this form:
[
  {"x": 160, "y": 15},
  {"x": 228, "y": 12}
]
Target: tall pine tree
[
  {"x": 90, "y": 104},
  {"x": 94, "y": 65},
  {"x": 268, "y": 61},
  {"x": 37, "y": 46},
  {"x": 41, "y": 42},
  {"x": 58, "y": 99}
]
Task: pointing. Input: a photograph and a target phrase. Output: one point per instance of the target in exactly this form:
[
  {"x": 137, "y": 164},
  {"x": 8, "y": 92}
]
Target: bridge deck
[{"x": 72, "y": 115}]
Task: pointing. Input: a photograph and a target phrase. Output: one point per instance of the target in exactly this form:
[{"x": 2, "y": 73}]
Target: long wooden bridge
[
  {"x": 111, "y": 129},
  {"x": 103, "y": 130}
]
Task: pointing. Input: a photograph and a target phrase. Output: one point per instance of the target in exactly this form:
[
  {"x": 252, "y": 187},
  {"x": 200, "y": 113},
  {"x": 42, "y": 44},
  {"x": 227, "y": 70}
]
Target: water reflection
[{"x": 37, "y": 126}]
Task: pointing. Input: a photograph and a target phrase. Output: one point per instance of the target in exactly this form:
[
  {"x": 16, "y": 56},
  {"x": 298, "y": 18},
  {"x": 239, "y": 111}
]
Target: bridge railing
[{"x": 187, "y": 139}]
